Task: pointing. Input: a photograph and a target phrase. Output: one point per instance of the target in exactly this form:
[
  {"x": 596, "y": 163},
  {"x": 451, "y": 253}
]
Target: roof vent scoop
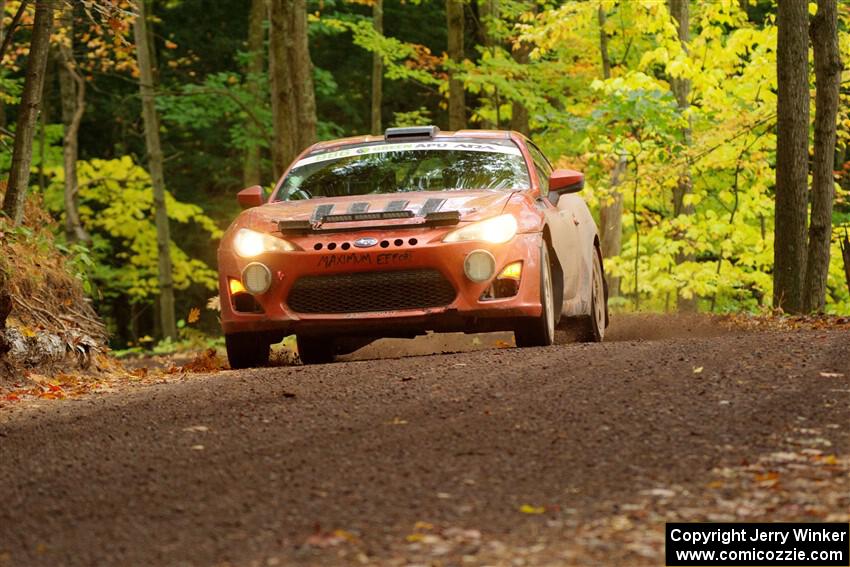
[{"x": 411, "y": 133}]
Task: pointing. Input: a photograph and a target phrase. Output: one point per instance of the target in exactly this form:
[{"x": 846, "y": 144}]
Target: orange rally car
[{"x": 415, "y": 231}]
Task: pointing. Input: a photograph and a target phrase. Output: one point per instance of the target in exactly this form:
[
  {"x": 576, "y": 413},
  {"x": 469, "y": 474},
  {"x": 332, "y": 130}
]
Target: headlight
[
  {"x": 496, "y": 230},
  {"x": 250, "y": 243}
]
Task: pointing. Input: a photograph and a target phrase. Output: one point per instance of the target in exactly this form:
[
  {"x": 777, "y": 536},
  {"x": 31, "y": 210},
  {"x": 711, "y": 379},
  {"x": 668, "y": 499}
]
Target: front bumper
[{"x": 406, "y": 250}]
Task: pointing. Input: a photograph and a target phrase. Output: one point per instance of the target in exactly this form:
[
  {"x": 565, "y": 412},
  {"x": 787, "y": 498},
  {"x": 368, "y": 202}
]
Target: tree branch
[{"x": 16, "y": 19}]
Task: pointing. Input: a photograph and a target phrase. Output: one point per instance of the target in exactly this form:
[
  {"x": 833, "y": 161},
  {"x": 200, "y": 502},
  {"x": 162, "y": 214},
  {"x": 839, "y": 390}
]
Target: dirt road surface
[{"x": 568, "y": 455}]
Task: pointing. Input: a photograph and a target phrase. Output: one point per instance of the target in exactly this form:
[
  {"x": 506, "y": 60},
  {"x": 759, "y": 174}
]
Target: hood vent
[
  {"x": 322, "y": 211},
  {"x": 358, "y": 207}
]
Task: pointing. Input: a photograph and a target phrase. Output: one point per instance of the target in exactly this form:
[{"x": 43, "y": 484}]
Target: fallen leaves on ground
[
  {"x": 323, "y": 539},
  {"x": 429, "y": 540},
  {"x": 207, "y": 361},
  {"x": 58, "y": 387},
  {"x": 107, "y": 374},
  {"x": 781, "y": 322},
  {"x": 796, "y": 483}
]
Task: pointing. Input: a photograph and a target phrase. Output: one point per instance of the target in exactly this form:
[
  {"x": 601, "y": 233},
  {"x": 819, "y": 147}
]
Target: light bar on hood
[
  {"x": 355, "y": 217},
  {"x": 445, "y": 218}
]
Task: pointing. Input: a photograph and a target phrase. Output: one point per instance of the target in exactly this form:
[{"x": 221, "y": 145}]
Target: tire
[
  {"x": 540, "y": 331},
  {"x": 593, "y": 327},
  {"x": 247, "y": 350},
  {"x": 315, "y": 350}
]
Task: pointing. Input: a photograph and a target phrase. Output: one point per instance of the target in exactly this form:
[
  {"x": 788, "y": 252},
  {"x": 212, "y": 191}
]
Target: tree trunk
[
  {"x": 792, "y": 153},
  {"x": 72, "y": 89},
  {"x": 457, "y": 97},
  {"x": 2, "y": 105},
  {"x": 302, "y": 77},
  {"x": 679, "y": 9},
  {"x": 519, "y": 113},
  {"x": 611, "y": 211},
  {"x": 16, "y": 20},
  {"x": 151, "y": 121},
  {"x": 2, "y": 18},
  {"x": 602, "y": 18},
  {"x": 824, "y": 30},
  {"x": 5, "y": 310},
  {"x": 251, "y": 171},
  {"x": 284, "y": 119},
  {"x": 611, "y": 222},
  {"x": 845, "y": 255},
  {"x": 19, "y": 175},
  {"x": 487, "y": 10},
  {"x": 293, "y": 97},
  {"x": 377, "y": 69}
]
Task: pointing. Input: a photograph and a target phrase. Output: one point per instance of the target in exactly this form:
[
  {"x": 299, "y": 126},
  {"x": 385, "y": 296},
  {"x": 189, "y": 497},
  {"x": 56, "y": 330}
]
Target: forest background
[{"x": 670, "y": 108}]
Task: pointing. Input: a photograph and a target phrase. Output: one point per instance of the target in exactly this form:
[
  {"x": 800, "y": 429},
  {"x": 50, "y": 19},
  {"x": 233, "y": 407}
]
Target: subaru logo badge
[{"x": 365, "y": 242}]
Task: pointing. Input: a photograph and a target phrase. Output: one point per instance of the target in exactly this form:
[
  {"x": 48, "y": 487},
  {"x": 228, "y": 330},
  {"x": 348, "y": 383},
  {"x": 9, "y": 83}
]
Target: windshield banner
[{"x": 412, "y": 147}]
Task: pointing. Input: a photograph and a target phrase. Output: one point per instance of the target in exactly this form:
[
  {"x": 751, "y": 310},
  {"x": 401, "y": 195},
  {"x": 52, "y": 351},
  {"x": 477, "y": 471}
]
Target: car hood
[{"x": 472, "y": 206}]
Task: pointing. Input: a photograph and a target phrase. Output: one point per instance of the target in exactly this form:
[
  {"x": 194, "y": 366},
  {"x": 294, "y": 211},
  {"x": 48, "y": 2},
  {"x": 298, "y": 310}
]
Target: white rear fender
[{"x": 578, "y": 295}]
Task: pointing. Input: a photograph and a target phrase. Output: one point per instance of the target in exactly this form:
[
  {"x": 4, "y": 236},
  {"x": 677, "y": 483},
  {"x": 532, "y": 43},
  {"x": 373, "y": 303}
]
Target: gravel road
[{"x": 572, "y": 454}]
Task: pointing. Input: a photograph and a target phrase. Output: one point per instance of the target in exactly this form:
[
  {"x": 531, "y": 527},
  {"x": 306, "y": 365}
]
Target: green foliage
[
  {"x": 724, "y": 142},
  {"x": 47, "y": 149},
  {"x": 418, "y": 117},
  {"x": 10, "y": 89},
  {"x": 212, "y": 111},
  {"x": 116, "y": 208},
  {"x": 223, "y": 101}
]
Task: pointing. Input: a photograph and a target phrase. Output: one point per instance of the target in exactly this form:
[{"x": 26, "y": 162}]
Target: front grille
[{"x": 371, "y": 291}]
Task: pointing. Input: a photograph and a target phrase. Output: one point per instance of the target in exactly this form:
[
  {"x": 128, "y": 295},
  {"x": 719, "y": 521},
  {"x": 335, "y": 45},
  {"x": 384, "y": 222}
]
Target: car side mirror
[
  {"x": 251, "y": 197},
  {"x": 566, "y": 181}
]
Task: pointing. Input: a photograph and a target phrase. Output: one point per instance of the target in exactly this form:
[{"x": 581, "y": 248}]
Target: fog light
[
  {"x": 257, "y": 278},
  {"x": 236, "y": 286},
  {"x": 512, "y": 271},
  {"x": 479, "y": 266}
]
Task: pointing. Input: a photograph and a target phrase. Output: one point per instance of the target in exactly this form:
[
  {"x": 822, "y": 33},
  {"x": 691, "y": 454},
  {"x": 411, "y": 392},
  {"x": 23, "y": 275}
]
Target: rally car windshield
[{"x": 410, "y": 166}]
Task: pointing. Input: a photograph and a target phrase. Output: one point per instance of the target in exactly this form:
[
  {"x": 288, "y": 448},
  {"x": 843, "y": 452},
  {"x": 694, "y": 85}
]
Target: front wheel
[
  {"x": 315, "y": 350},
  {"x": 540, "y": 331},
  {"x": 247, "y": 350}
]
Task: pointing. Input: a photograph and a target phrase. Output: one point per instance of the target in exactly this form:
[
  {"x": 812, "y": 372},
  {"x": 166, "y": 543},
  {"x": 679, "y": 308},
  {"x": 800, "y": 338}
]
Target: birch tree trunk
[
  {"x": 72, "y": 90},
  {"x": 824, "y": 31},
  {"x": 155, "y": 158},
  {"x": 457, "y": 97},
  {"x": 251, "y": 172},
  {"x": 19, "y": 175},
  {"x": 377, "y": 69},
  {"x": 792, "y": 154}
]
